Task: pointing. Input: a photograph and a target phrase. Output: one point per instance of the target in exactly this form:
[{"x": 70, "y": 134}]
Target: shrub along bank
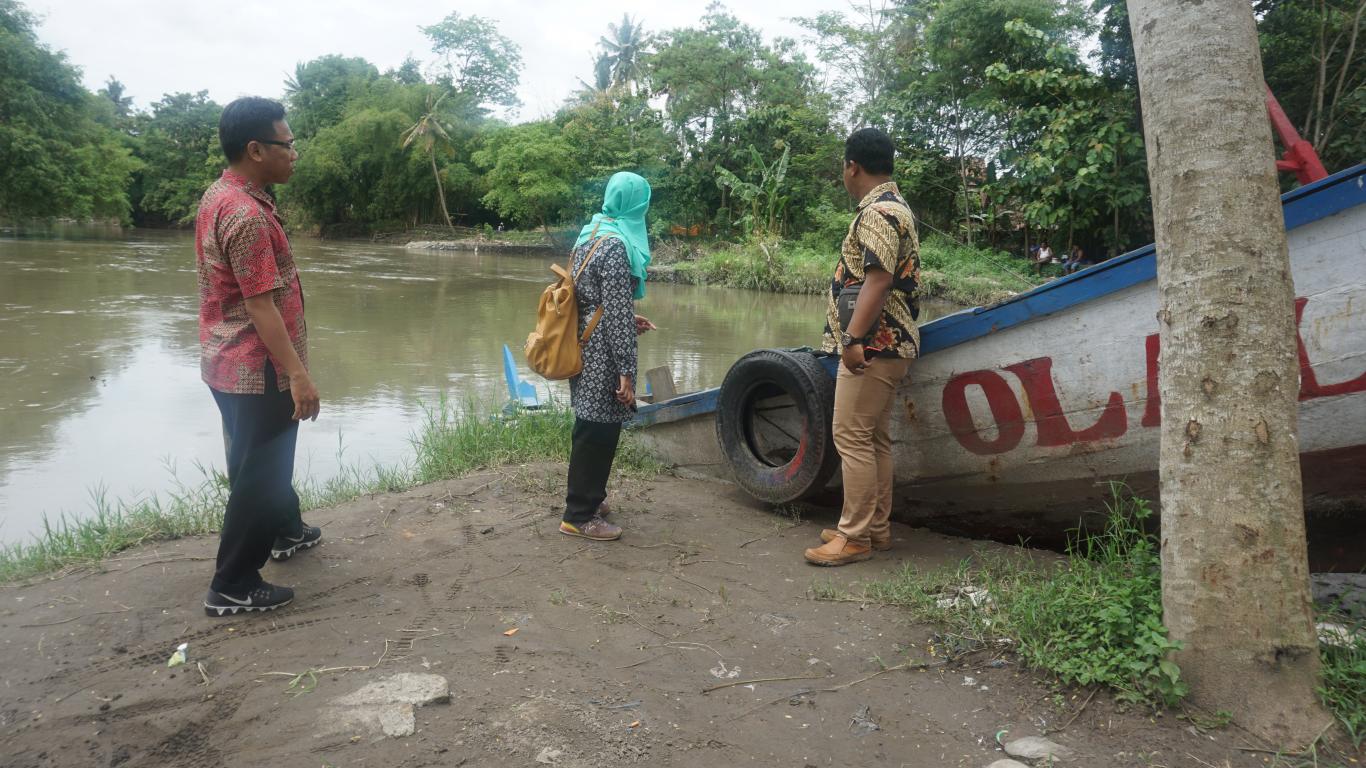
[{"x": 961, "y": 274}]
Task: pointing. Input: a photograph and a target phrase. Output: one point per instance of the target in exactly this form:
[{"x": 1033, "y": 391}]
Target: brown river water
[{"x": 99, "y": 375}]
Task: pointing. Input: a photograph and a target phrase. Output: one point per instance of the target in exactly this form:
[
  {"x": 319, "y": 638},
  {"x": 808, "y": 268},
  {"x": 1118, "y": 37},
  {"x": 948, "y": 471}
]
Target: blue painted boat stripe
[
  {"x": 1319, "y": 200},
  {"x": 677, "y": 409}
]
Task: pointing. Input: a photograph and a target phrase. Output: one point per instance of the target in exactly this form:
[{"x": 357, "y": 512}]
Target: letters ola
[{"x": 1052, "y": 426}]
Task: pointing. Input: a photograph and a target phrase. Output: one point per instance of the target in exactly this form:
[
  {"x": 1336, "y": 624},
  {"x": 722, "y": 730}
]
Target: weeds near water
[{"x": 450, "y": 443}]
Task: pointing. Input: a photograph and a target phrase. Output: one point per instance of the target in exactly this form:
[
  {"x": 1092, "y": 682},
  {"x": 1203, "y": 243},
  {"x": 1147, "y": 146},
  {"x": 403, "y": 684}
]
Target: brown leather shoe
[
  {"x": 838, "y": 551},
  {"x": 879, "y": 545}
]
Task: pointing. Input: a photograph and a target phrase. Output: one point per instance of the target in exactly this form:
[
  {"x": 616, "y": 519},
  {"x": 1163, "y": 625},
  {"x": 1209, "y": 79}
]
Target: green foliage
[
  {"x": 59, "y": 160},
  {"x": 1001, "y": 125},
  {"x": 1075, "y": 161},
  {"x": 970, "y": 275},
  {"x": 357, "y": 172},
  {"x": 530, "y": 173},
  {"x": 320, "y": 90},
  {"x": 624, "y": 49},
  {"x": 961, "y": 274},
  {"x": 1327, "y": 104},
  {"x": 764, "y": 194},
  {"x": 477, "y": 59},
  {"x": 1343, "y": 684},
  {"x": 1094, "y": 619},
  {"x": 181, "y": 157},
  {"x": 1100, "y": 619}
]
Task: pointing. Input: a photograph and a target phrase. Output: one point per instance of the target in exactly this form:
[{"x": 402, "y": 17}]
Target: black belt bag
[{"x": 848, "y": 299}]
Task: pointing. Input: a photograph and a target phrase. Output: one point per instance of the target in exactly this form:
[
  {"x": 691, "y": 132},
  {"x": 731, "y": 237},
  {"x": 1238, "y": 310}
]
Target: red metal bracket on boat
[{"x": 1300, "y": 156}]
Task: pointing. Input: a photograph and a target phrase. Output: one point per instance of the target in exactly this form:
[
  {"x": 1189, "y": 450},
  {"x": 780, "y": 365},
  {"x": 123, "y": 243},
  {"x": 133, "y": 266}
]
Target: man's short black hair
[
  {"x": 871, "y": 149},
  {"x": 251, "y": 118}
]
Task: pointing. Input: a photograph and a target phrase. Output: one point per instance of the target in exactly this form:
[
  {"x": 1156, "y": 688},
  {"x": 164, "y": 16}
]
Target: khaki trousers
[{"x": 863, "y": 416}]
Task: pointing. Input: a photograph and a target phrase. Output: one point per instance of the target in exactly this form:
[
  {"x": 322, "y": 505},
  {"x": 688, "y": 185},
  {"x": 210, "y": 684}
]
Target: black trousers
[
  {"x": 259, "y": 436},
  {"x": 591, "y": 453}
]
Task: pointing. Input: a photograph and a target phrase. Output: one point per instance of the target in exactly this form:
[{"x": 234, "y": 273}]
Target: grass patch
[
  {"x": 1094, "y": 618},
  {"x": 1343, "y": 678},
  {"x": 965, "y": 274},
  {"x": 961, "y": 274},
  {"x": 450, "y": 443}
]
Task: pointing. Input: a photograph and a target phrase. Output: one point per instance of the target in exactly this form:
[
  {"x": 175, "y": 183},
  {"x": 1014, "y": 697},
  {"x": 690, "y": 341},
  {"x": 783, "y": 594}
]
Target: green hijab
[{"x": 623, "y": 214}]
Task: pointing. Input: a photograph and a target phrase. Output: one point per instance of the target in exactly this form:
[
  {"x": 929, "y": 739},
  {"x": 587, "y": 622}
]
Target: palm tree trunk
[
  {"x": 1235, "y": 576},
  {"x": 440, "y": 193}
]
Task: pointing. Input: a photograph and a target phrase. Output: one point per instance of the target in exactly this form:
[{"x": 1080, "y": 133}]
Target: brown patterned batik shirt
[
  {"x": 881, "y": 235},
  {"x": 242, "y": 251}
]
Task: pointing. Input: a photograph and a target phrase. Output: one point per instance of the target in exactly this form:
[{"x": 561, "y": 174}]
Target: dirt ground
[{"x": 614, "y": 647}]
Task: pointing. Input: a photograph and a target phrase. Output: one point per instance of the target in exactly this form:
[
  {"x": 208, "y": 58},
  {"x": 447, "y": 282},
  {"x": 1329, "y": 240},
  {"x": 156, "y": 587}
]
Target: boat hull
[{"x": 1017, "y": 418}]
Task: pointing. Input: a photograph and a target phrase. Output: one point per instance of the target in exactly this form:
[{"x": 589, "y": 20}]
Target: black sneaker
[
  {"x": 266, "y": 597},
  {"x": 285, "y": 546}
]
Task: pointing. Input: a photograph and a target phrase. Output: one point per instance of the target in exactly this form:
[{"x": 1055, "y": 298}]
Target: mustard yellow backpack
[{"x": 555, "y": 348}]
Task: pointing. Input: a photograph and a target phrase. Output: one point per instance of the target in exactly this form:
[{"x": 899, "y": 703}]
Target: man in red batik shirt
[{"x": 254, "y": 354}]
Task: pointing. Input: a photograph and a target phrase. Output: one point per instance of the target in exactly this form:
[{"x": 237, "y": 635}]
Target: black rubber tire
[{"x": 769, "y": 473}]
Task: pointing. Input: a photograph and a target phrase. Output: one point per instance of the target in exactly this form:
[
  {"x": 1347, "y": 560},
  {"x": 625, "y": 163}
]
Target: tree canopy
[{"x": 1007, "y": 130}]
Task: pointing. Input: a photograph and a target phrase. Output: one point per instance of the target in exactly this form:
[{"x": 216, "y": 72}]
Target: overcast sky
[{"x": 249, "y": 47}]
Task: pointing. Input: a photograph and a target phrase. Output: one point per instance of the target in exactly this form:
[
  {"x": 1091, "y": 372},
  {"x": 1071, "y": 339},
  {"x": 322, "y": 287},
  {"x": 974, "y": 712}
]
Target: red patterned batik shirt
[{"x": 242, "y": 252}]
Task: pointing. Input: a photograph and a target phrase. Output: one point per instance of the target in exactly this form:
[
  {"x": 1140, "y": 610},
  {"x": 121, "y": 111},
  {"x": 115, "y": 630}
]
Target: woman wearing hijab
[{"x": 603, "y": 394}]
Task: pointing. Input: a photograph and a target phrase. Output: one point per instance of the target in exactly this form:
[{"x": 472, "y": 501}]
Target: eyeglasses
[{"x": 286, "y": 144}]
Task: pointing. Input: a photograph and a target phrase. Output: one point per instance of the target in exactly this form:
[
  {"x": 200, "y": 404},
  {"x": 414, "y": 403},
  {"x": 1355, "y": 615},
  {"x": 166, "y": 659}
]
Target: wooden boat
[{"x": 1018, "y": 416}]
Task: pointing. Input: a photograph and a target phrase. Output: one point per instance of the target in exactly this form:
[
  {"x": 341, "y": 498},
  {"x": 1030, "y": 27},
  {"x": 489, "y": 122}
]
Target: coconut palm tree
[
  {"x": 428, "y": 133},
  {"x": 625, "y": 45}
]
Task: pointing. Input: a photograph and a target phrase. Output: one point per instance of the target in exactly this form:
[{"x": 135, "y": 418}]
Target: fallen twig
[
  {"x": 647, "y": 629},
  {"x": 644, "y": 661},
  {"x": 584, "y": 548},
  {"x": 1077, "y": 714},
  {"x": 185, "y": 559},
  {"x": 471, "y": 493},
  {"x": 917, "y": 665},
  {"x": 695, "y": 584},
  {"x": 125, "y": 609},
  {"x": 759, "y": 680},
  {"x": 204, "y": 673},
  {"x": 500, "y": 576},
  {"x": 767, "y": 535}
]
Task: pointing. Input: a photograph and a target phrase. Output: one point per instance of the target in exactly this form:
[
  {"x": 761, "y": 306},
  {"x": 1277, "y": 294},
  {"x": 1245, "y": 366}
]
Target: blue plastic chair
[{"x": 520, "y": 391}]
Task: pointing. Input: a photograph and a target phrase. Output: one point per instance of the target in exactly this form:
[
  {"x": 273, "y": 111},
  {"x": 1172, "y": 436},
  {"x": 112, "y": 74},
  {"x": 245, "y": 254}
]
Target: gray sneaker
[{"x": 596, "y": 529}]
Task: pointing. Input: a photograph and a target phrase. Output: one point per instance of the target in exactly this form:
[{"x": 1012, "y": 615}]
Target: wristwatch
[{"x": 847, "y": 341}]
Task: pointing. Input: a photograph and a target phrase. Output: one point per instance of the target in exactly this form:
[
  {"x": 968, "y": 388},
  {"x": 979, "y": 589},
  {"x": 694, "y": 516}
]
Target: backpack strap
[
  {"x": 592, "y": 325},
  {"x": 597, "y": 315}
]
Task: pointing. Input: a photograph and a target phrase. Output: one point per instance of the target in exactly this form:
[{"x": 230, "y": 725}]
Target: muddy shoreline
[{"x": 556, "y": 651}]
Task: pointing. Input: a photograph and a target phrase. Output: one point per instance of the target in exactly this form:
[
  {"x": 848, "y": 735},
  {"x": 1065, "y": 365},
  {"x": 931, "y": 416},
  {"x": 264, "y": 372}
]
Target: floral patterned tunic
[{"x": 611, "y": 351}]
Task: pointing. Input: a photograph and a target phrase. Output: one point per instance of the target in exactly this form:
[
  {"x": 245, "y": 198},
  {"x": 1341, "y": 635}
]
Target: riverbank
[
  {"x": 960, "y": 274},
  {"x": 449, "y": 444},
  {"x": 700, "y": 639}
]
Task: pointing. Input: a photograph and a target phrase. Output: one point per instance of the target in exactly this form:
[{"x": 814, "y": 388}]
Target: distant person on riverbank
[
  {"x": 881, "y": 257},
  {"x": 254, "y": 354},
  {"x": 1074, "y": 260},
  {"x": 1043, "y": 258},
  {"x": 612, "y": 253}
]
